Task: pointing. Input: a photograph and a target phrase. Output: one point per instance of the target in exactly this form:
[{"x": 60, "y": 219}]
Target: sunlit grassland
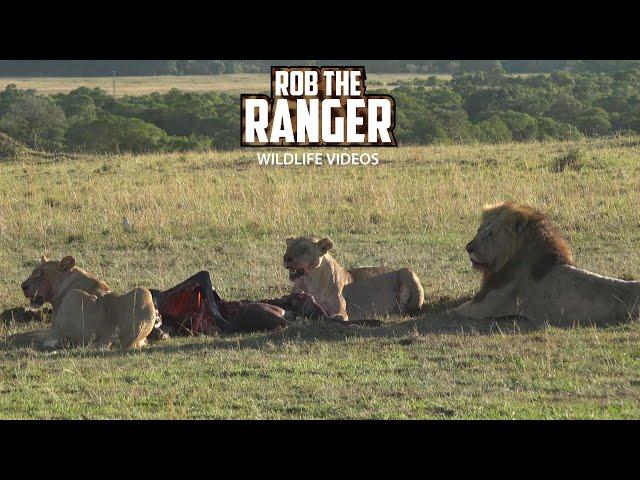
[{"x": 223, "y": 212}]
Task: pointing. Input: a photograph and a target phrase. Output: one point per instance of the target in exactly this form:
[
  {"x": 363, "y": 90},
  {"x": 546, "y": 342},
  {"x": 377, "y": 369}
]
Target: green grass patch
[{"x": 224, "y": 213}]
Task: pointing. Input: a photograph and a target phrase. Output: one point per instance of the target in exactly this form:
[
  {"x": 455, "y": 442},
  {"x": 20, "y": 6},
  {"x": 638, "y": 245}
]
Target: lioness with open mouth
[
  {"x": 349, "y": 294},
  {"x": 528, "y": 271},
  {"x": 85, "y": 310}
]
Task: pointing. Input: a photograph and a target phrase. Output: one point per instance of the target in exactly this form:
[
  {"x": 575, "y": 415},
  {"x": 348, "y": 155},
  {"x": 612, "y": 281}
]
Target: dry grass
[
  {"x": 223, "y": 212},
  {"x": 231, "y": 83}
]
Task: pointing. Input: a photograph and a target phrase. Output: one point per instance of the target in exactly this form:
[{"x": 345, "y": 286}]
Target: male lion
[
  {"x": 349, "y": 294},
  {"x": 528, "y": 271},
  {"x": 85, "y": 310}
]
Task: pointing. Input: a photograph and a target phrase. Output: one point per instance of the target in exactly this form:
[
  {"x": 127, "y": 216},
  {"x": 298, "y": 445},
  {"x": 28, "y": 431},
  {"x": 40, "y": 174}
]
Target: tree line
[
  {"x": 82, "y": 68},
  {"x": 499, "y": 108},
  {"x": 471, "y": 107},
  {"x": 90, "y": 120}
]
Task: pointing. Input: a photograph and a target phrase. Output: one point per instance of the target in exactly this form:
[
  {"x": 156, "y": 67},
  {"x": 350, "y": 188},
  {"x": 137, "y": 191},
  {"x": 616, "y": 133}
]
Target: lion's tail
[{"x": 411, "y": 294}]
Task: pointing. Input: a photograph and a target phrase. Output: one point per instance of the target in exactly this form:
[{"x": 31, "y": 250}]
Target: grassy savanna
[
  {"x": 223, "y": 212},
  {"x": 228, "y": 83}
]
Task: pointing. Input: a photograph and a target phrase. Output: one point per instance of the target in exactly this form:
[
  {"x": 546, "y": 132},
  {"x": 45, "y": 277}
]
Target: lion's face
[
  {"x": 39, "y": 288},
  {"x": 303, "y": 255},
  {"x": 495, "y": 243}
]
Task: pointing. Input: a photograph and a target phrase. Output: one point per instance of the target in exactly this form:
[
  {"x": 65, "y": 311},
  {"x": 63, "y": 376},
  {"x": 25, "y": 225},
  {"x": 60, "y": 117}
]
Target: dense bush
[
  {"x": 496, "y": 107},
  {"x": 484, "y": 107},
  {"x": 35, "y": 120},
  {"x": 114, "y": 134},
  {"x": 90, "y": 120}
]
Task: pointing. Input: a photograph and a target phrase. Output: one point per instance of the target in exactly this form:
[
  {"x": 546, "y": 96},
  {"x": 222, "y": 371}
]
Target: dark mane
[{"x": 543, "y": 244}]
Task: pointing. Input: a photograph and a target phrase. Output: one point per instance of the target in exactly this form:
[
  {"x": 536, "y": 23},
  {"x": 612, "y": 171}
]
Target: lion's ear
[
  {"x": 325, "y": 244},
  {"x": 43, "y": 259},
  {"x": 289, "y": 240},
  {"x": 67, "y": 263}
]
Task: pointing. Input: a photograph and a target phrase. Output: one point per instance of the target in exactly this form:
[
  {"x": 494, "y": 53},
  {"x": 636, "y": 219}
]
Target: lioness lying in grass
[
  {"x": 85, "y": 310},
  {"x": 349, "y": 294}
]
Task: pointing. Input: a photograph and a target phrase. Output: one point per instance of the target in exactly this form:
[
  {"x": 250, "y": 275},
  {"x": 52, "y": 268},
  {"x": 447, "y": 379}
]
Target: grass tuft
[{"x": 573, "y": 160}]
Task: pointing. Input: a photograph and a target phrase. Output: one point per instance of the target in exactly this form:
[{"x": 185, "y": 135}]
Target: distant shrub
[
  {"x": 78, "y": 107},
  {"x": 494, "y": 130},
  {"x": 217, "y": 67},
  {"x": 521, "y": 125},
  {"x": 36, "y": 121},
  {"x": 116, "y": 134},
  {"x": 594, "y": 122},
  {"x": 549, "y": 129},
  {"x": 573, "y": 160},
  {"x": 566, "y": 109}
]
